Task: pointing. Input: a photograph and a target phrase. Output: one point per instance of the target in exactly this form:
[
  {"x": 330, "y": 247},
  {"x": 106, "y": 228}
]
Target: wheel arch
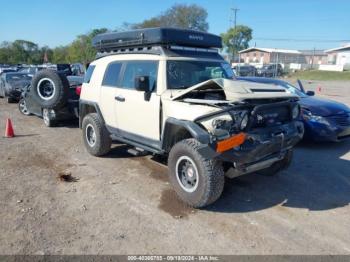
[
  {"x": 87, "y": 107},
  {"x": 176, "y": 130}
]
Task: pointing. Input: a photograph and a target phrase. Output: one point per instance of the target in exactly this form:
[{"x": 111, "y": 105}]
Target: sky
[{"x": 55, "y": 23}]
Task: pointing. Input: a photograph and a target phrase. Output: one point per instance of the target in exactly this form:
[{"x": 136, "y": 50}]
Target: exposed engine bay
[{"x": 242, "y": 107}]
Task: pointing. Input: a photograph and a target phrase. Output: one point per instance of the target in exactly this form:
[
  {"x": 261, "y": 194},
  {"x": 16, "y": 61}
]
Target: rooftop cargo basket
[{"x": 110, "y": 42}]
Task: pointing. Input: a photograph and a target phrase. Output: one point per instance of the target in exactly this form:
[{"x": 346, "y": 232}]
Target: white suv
[{"x": 169, "y": 92}]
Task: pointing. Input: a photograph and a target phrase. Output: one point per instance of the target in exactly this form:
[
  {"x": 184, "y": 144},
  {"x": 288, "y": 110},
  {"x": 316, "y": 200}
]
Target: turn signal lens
[{"x": 231, "y": 142}]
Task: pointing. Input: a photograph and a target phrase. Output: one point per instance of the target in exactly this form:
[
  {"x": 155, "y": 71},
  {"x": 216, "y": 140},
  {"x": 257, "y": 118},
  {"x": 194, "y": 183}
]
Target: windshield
[{"x": 183, "y": 74}]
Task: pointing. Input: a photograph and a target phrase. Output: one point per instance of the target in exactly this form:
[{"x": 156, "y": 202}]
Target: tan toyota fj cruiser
[{"x": 169, "y": 92}]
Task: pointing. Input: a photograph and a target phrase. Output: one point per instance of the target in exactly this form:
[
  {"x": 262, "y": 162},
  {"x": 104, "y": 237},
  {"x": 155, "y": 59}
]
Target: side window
[
  {"x": 88, "y": 74},
  {"x": 140, "y": 68},
  {"x": 112, "y": 74}
]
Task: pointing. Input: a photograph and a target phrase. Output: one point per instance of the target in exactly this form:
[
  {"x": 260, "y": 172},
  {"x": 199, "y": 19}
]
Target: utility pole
[
  {"x": 234, "y": 11},
  {"x": 313, "y": 58},
  {"x": 234, "y": 14}
]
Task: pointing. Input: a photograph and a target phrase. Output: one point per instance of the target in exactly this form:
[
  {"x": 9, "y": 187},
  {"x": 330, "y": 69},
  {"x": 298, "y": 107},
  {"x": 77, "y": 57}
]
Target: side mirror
[
  {"x": 310, "y": 93},
  {"x": 142, "y": 83}
]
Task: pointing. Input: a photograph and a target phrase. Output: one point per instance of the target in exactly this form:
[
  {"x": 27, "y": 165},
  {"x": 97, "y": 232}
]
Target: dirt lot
[{"x": 124, "y": 205}]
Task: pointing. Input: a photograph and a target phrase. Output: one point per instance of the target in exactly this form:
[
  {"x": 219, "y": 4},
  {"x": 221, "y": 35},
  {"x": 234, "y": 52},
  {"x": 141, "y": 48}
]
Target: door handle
[{"x": 120, "y": 98}]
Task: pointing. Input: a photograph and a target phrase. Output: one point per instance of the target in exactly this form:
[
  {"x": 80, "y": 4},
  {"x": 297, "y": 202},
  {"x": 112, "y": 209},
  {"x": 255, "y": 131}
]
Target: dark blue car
[{"x": 324, "y": 119}]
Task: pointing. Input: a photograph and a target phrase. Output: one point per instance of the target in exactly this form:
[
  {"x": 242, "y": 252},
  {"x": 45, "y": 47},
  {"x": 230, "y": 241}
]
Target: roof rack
[
  {"x": 146, "y": 39},
  {"x": 169, "y": 51}
]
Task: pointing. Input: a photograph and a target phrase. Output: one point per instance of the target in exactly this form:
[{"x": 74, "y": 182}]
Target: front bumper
[
  {"x": 322, "y": 133},
  {"x": 265, "y": 145}
]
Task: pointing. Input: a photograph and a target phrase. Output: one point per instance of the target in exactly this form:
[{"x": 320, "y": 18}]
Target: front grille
[
  {"x": 271, "y": 117},
  {"x": 340, "y": 120}
]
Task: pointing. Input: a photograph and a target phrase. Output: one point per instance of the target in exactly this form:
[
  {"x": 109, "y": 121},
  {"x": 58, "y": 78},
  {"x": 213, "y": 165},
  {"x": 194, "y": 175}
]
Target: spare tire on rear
[{"x": 50, "y": 89}]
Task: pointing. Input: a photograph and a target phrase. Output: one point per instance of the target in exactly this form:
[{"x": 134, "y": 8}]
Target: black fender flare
[
  {"x": 173, "y": 125},
  {"x": 83, "y": 110}
]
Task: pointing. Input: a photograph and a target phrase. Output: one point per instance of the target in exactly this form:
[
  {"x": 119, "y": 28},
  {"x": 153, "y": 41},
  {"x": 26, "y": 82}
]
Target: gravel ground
[{"x": 121, "y": 204}]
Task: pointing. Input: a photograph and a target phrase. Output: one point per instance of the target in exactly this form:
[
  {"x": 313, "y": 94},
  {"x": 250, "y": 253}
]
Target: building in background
[
  {"x": 338, "y": 59},
  {"x": 255, "y": 55},
  {"x": 314, "y": 57},
  {"x": 289, "y": 59}
]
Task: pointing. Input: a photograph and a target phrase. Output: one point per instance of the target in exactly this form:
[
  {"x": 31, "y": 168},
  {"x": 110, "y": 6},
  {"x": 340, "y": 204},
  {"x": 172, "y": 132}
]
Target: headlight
[
  {"x": 228, "y": 123},
  {"x": 314, "y": 118},
  {"x": 223, "y": 121},
  {"x": 295, "y": 111},
  {"x": 220, "y": 121}
]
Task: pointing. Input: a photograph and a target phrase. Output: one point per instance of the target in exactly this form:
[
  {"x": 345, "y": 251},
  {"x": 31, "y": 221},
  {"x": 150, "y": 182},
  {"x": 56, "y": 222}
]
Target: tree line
[{"x": 80, "y": 50}]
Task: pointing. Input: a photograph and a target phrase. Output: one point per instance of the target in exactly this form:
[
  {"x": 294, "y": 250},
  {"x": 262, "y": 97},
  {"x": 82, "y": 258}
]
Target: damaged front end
[{"x": 253, "y": 128}]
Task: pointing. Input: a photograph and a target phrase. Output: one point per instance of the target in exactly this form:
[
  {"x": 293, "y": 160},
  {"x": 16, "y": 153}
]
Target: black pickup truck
[{"x": 53, "y": 96}]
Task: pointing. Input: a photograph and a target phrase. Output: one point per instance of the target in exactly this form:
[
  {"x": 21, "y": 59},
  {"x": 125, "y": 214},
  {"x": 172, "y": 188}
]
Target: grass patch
[{"x": 321, "y": 75}]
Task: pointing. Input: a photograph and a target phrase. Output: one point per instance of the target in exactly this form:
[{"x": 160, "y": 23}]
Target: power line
[{"x": 302, "y": 40}]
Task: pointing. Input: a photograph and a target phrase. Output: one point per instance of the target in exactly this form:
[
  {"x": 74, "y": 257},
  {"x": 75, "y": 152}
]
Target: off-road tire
[
  {"x": 103, "y": 141},
  {"x": 278, "y": 166},
  {"x": 211, "y": 177},
  {"x": 23, "y": 108},
  {"x": 60, "y": 91}
]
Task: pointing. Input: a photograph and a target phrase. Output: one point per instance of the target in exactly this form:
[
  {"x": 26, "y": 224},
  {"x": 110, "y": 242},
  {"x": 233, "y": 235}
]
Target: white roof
[
  {"x": 271, "y": 50},
  {"x": 338, "y": 48}
]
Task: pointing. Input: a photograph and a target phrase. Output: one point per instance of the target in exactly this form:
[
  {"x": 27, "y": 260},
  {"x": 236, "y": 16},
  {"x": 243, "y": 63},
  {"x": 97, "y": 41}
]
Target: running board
[
  {"x": 136, "y": 151},
  {"x": 136, "y": 144}
]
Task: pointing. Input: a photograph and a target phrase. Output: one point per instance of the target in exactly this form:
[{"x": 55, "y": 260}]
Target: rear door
[
  {"x": 108, "y": 92},
  {"x": 138, "y": 117}
]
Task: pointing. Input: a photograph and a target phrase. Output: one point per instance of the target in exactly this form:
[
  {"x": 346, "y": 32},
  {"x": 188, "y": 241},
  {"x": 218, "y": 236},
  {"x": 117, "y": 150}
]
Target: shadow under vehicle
[{"x": 320, "y": 183}]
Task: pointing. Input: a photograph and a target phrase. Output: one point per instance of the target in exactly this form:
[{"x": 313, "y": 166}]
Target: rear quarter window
[
  {"x": 88, "y": 74},
  {"x": 112, "y": 74}
]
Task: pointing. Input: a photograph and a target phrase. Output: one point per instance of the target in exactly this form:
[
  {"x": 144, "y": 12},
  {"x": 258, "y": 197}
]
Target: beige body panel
[
  {"x": 136, "y": 115},
  {"x": 184, "y": 111}
]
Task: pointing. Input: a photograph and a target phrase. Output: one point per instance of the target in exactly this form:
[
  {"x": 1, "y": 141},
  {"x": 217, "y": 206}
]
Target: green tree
[
  {"x": 5, "y": 53},
  {"x": 181, "y": 16},
  {"x": 22, "y": 51},
  {"x": 237, "y": 39},
  {"x": 59, "y": 55},
  {"x": 81, "y": 50}
]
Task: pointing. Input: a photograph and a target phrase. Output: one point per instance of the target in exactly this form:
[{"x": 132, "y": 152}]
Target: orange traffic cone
[{"x": 9, "y": 129}]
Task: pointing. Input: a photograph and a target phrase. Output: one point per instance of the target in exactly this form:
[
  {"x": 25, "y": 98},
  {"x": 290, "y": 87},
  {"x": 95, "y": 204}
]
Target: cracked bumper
[{"x": 260, "y": 145}]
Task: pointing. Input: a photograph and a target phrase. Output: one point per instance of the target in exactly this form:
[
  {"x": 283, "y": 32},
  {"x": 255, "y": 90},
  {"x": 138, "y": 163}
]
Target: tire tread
[
  {"x": 103, "y": 143},
  {"x": 213, "y": 171}
]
